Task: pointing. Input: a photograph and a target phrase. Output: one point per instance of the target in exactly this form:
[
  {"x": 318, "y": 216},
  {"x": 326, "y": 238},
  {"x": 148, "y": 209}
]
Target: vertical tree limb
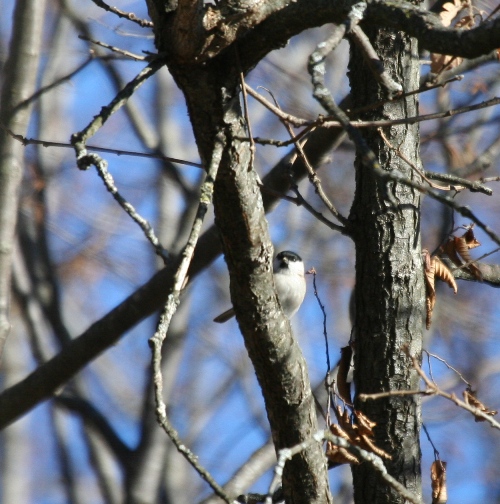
[{"x": 20, "y": 79}]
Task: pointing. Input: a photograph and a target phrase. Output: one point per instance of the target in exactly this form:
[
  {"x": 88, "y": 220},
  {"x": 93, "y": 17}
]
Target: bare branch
[
  {"x": 119, "y": 152},
  {"x": 156, "y": 341},
  {"x": 126, "y": 15},
  {"x": 79, "y": 140},
  {"x": 375, "y": 64},
  {"x": 19, "y": 81}
]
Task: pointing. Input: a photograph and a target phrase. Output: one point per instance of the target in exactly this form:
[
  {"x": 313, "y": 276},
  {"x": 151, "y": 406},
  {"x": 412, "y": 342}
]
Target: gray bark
[
  {"x": 19, "y": 83},
  {"x": 385, "y": 219}
]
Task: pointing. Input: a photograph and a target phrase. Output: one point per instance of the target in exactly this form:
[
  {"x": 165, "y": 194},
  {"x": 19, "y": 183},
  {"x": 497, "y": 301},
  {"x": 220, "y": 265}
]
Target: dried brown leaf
[
  {"x": 449, "y": 249},
  {"x": 364, "y": 424},
  {"x": 357, "y": 434},
  {"x": 443, "y": 62},
  {"x": 337, "y": 430},
  {"x": 438, "y": 482},
  {"x": 450, "y": 11},
  {"x": 471, "y": 399},
  {"x": 444, "y": 274},
  {"x": 462, "y": 248},
  {"x": 457, "y": 248},
  {"x": 469, "y": 238},
  {"x": 430, "y": 296},
  {"x": 367, "y": 444},
  {"x": 337, "y": 455}
]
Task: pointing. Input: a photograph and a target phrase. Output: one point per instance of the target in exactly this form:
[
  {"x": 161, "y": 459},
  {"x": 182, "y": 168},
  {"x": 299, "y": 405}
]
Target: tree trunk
[
  {"x": 212, "y": 93},
  {"x": 389, "y": 275}
]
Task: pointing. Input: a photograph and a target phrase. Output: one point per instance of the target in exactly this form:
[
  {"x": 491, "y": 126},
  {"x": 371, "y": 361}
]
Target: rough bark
[
  {"x": 212, "y": 94},
  {"x": 389, "y": 280}
]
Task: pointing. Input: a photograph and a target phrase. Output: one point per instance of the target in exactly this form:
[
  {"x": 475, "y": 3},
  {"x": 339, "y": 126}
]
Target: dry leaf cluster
[
  {"x": 434, "y": 267},
  {"x": 358, "y": 432},
  {"x": 450, "y": 11},
  {"x": 457, "y": 249},
  {"x": 438, "y": 482},
  {"x": 471, "y": 399}
]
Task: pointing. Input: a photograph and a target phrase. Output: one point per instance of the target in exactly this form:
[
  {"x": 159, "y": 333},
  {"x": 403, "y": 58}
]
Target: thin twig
[
  {"x": 126, "y": 15},
  {"x": 78, "y": 140},
  {"x": 375, "y": 64},
  {"x": 299, "y": 200},
  {"x": 156, "y": 341},
  {"x": 46, "y": 143},
  {"x": 102, "y": 169},
  {"x": 461, "y": 183},
  {"x": 312, "y": 175},
  {"x": 326, "y": 121},
  {"x": 412, "y": 165},
  {"x": 436, "y": 453},
  {"x": 393, "y": 393},
  {"x": 452, "y": 397},
  {"x": 376, "y": 462},
  {"x": 449, "y": 366},
  {"x": 312, "y": 272},
  {"x": 128, "y": 54}
]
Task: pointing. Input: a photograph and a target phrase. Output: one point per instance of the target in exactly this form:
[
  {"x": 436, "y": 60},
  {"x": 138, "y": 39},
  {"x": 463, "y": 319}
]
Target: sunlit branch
[
  {"x": 374, "y": 62},
  {"x": 102, "y": 170},
  {"x": 316, "y": 64},
  {"x": 374, "y": 460},
  {"x": 79, "y": 140},
  {"x": 127, "y": 54},
  {"x": 434, "y": 390},
  {"x": 126, "y": 15},
  {"x": 179, "y": 281},
  {"x": 464, "y": 211},
  {"x": 459, "y": 183},
  {"x": 312, "y": 175},
  {"x": 119, "y": 152}
]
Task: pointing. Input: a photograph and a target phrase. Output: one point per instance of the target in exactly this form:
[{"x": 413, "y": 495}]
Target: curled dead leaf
[
  {"x": 438, "y": 482},
  {"x": 471, "y": 399},
  {"x": 358, "y": 433},
  {"x": 337, "y": 455},
  {"x": 449, "y": 12},
  {"x": 469, "y": 238},
  {"x": 434, "y": 267},
  {"x": 457, "y": 249},
  {"x": 364, "y": 424},
  {"x": 444, "y": 274}
]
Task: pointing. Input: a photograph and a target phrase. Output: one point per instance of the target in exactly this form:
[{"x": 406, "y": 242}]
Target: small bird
[{"x": 290, "y": 282}]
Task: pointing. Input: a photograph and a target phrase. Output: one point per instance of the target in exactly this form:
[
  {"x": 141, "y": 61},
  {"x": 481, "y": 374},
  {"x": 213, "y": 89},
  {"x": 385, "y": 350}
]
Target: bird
[{"x": 288, "y": 269}]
